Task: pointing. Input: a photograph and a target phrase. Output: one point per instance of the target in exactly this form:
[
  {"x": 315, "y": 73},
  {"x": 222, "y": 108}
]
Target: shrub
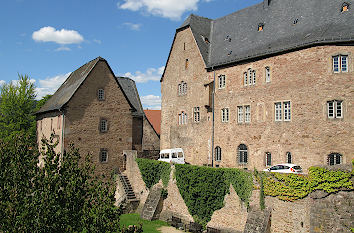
[{"x": 152, "y": 171}]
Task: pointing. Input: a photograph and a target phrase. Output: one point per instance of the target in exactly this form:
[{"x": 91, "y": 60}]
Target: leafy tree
[
  {"x": 41, "y": 102},
  {"x": 17, "y": 108},
  {"x": 62, "y": 196}
]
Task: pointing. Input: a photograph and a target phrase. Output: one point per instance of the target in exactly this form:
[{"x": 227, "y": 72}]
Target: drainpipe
[
  {"x": 62, "y": 130},
  {"x": 213, "y": 127}
]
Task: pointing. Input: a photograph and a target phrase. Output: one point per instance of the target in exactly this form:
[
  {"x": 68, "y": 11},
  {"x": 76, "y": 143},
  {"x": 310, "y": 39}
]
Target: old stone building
[
  {"x": 99, "y": 113},
  {"x": 271, "y": 83}
]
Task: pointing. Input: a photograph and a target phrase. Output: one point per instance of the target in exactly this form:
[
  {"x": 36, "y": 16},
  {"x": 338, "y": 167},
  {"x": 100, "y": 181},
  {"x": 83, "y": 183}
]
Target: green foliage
[
  {"x": 152, "y": 171},
  {"x": 63, "y": 196},
  {"x": 290, "y": 187},
  {"x": 203, "y": 190},
  {"x": 241, "y": 181},
  {"x": 164, "y": 193},
  {"x": 41, "y": 102},
  {"x": 17, "y": 109}
]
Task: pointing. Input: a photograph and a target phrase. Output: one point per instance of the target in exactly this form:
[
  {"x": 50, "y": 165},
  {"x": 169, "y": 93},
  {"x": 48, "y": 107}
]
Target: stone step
[{"x": 151, "y": 203}]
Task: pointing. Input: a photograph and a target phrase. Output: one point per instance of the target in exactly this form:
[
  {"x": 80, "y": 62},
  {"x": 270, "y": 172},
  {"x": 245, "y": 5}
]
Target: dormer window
[
  {"x": 100, "y": 94},
  {"x": 345, "y": 7},
  {"x": 260, "y": 27}
]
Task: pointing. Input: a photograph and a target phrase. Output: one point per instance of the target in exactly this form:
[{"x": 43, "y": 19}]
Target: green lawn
[{"x": 148, "y": 226}]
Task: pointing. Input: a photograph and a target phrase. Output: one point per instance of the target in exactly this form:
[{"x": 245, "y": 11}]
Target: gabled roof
[
  {"x": 71, "y": 85},
  {"x": 154, "y": 117},
  {"x": 287, "y": 25},
  {"x": 129, "y": 87}
]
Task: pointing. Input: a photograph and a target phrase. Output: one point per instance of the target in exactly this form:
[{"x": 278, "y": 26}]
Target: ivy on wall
[
  {"x": 203, "y": 188},
  {"x": 290, "y": 187},
  {"x": 152, "y": 171}
]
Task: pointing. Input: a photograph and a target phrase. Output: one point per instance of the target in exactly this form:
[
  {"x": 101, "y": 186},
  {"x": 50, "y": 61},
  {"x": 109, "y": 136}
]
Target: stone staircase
[
  {"x": 131, "y": 201},
  {"x": 258, "y": 221},
  {"x": 151, "y": 203}
]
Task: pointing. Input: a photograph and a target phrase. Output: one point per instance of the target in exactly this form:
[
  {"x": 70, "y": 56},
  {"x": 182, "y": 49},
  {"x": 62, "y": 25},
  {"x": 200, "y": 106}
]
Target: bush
[{"x": 152, "y": 171}]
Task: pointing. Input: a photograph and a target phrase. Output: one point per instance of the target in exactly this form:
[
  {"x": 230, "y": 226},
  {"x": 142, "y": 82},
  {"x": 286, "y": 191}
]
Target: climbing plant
[{"x": 152, "y": 171}]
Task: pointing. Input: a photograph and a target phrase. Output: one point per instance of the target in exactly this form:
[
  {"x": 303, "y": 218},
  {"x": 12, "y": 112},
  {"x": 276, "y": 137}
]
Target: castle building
[
  {"x": 100, "y": 114},
  {"x": 271, "y": 83}
]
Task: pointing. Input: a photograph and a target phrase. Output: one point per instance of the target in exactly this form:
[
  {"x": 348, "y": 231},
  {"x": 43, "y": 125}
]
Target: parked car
[
  {"x": 285, "y": 168},
  {"x": 174, "y": 155}
]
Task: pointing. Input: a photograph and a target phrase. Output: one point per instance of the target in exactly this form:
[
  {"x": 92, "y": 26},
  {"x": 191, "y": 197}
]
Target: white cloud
[
  {"x": 2, "y": 82},
  {"x": 63, "y": 36},
  {"x": 151, "y": 74},
  {"x": 172, "y": 9},
  {"x": 151, "y": 102},
  {"x": 97, "y": 41},
  {"x": 50, "y": 85},
  {"x": 62, "y": 49},
  {"x": 133, "y": 26}
]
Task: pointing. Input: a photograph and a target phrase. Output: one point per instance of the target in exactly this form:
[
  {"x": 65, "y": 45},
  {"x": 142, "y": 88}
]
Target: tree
[
  {"x": 41, "y": 102},
  {"x": 17, "y": 109}
]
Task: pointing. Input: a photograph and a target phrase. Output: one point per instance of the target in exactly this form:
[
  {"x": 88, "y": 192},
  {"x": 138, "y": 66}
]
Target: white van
[{"x": 175, "y": 155}]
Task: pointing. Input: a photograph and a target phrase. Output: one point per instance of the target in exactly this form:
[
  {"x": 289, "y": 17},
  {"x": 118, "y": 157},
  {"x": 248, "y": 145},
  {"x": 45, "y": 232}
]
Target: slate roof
[
  {"x": 154, "y": 117},
  {"x": 129, "y": 87},
  {"x": 76, "y": 78},
  {"x": 235, "y": 37}
]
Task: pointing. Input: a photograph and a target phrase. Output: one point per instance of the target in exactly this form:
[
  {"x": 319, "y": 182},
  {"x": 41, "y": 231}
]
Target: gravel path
[{"x": 165, "y": 229}]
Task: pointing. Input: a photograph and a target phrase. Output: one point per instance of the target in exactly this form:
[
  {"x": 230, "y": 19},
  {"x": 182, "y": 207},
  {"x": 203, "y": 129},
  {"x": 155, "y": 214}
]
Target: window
[
  {"x": 182, "y": 88},
  {"x": 103, "y": 156},
  {"x": 217, "y": 153},
  {"x": 222, "y": 81},
  {"x": 267, "y": 74},
  {"x": 249, "y": 73},
  {"x": 245, "y": 79},
  {"x": 289, "y": 157},
  {"x": 182, "y": 118},
  {"x": 51, "y": 124},
  {"x": 225, "y": 115},
  {"x": 287, "y": 111},
  {"x": 340, "y": 63},
  {"x": 186, "y": 65},
  {"x": 278, "y": 111},
  {"x": 334, "y": 158},
  {"x": 247, "y": 113},
  {"x": 196, "y": 114},
  {"x": 103, "y": 126},
  {"x": 268, "y": 159},
  {"x": 334, "y": 109},
  {"x": 240, "y": 114},
  {"x": 254, "y": 77},
  {"x": 100, "y": 94},
  {"x": 242, "y": 154}
]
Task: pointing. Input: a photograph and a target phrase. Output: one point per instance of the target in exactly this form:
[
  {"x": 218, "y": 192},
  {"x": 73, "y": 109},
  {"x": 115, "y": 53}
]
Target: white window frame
[
  {"x": 277, "y": 111},
  {"x": 182, "y": 118},
  {"x": 240, "y": 114},
  {"x": 103, "y": 125},
  {"x": 267, "y": 74},
  {"x": 247, "y": 113},
  {"x": 100, "y": 94},
  {"x": 335, "y": 107},
  {"x": 254, "y": 77},
  {"x": 218, "y": 153},
  {"x": 222, "y": 81},
  {"x": 249, "y": 73},
  {"x": 196, "y": 114},
  {"x": 245, "y": 79},
  {"x": 242, "y": 154},
  {"x": 287, "y": 110},
  {"x": 340, "y": 64},
  {"x": 225, "y": 115}
]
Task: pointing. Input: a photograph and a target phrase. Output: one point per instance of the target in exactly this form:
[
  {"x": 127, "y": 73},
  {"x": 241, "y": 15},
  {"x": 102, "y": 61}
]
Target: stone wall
[
  {"x": 151, "y": 140},
  {"x": 84, "y": 111},
  {"x": 303, "y": 77}
]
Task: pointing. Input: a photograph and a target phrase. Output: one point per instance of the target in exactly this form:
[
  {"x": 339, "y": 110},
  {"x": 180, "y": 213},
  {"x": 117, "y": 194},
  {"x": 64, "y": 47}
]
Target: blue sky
[{"x": 48, "y": 39}]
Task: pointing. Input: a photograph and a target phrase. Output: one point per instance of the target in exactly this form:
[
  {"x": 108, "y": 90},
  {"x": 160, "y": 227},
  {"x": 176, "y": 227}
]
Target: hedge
[{"x": 152, "y": 171}]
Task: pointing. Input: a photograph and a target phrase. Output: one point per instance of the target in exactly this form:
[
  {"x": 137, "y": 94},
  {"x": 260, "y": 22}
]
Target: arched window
[
  {"x": 334, "y": 158},
  {"x": 268, "y": 159},
  {"x": 217, "y": 153},
  {"x": 289, "y": 158},
  {"x": 242, "y": 154},
  {"x": 345, "y": 7}
]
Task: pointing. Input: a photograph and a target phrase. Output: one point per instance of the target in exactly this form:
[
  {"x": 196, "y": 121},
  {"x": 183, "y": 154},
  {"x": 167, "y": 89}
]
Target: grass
[{"x": 148, "y": 226}]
